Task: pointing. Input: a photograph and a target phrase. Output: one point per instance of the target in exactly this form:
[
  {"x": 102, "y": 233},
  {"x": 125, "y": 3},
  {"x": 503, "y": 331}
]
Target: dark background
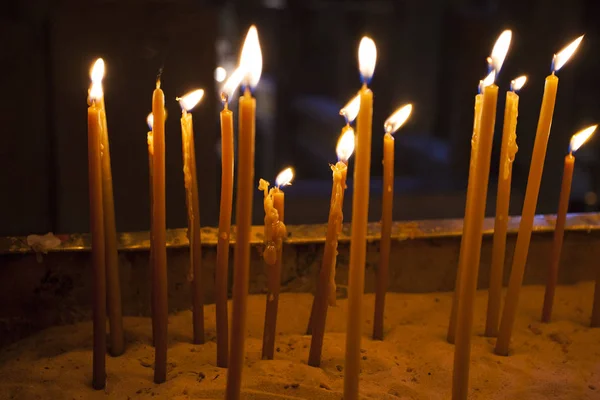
[{"x": 430, "y": 52}]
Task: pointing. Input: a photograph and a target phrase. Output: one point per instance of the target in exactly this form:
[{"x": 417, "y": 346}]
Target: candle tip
[
  {"x": 190, "y": 100},
  {"x": 285, "y": 177},
  {"x": 561, "y": 58},
  {"x": 397, "y": 119},
  {"x": 518, "y": 83},
  {"x": 345, "y": 144},
  {"x": 350, "y": 110},
  {"x": 251, "y": 58},
  {"x": 578, "y": 139},
  {"x": 367, "y": 58}
]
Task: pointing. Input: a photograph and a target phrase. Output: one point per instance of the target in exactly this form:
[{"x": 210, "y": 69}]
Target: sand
[{"x": 560, "y": 360}]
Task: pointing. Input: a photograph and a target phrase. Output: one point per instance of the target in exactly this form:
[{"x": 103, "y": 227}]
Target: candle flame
[
  {"x": 350, "y": 110},
  {"x": 487, "y": 81},
  {"x": 517, "y": 83},
  {"x": 397, "y": 119},
  {"x": 285, "y": 177},
  {"x": 367, "y": 58},
  {"x": 150, "y": 120},
  {"x": 499, "y": 51},
  {"x": 578, "y": 139},
  {"x": 251, "y": 58},
  {"x": 97, "y": 74},
  {"x": 565, "y": 54},
  {"x": 231, "y": 84},
  {"x": 190, "y": 100},
  {"x": 345, "y": 144}
]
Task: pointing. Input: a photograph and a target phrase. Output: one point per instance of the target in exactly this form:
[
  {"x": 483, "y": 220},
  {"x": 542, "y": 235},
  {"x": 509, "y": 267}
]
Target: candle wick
[
  {"x": 247, "y": 91},
  {"x": 224, "y": 99}
]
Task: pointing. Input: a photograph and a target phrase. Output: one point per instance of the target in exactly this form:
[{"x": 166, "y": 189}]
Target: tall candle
[
  {"x": 97, "y": 230},
  {"x": 473, "y": 228},
  {"x": 507, "y": 156},
  {"x": 275, "y": 231},
  {"x": 188, "y": 102},
  {"x": 251, "y": 64},
  {"x": 150, "y": 122},
  {"x": 159, "y": 236},
  {"x": 222, "y": 269},
  {"x": 595, "y": 321},
  {"x": 531, "y": 196},
  {"x": 391, "y": 125},
  {"x": 349, "y": 112},
  {"x": 326, "y": 283},
  {"x": 367, "y": 57},
  {"x": 474, "y": 143},
  {"x": 113, "y": 285},
  {"x": 577, "y": 141}
]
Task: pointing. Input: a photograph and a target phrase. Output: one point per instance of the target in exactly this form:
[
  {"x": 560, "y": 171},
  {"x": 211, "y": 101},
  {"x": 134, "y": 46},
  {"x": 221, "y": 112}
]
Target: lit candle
[
  {"x": 473, "y": 226},
  {"x": 326, "y": 289},
  {"x": 113, "y": 285},
  {"x": 97, "y": 228},
  {"x": 159, "y": 236},
  {"x": 275, "y": 232},
  {"x": 474, "y": 143},
  {"x": 150, "y": 122},
  {"x": 531, "y": 196},
  {"x": 367, "y": 57},
  {"x": 222, "y": 269},
  {"x": 577, "y": 141},
  {"x": 190, "y": 178},
  {"x": 507, "y": 156},
  {"x": 251, "y": 64},
  {"x": 391, "y": 125}
]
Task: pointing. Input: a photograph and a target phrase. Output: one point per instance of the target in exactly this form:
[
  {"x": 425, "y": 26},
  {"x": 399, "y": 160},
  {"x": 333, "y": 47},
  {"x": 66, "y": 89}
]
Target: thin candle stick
[
  {"x": 451, "y": 334},
  {"x": 222, "y": 269},
  {"x": 577, "y": 141},
  {"x": 98, "y": 251},
  {"x": 507, "y": 156},
  {"x": 150, "y": 121},
  {"x": 360, "y": 217},
  {"x": 391, "y": 125},
  {"x": 159, "y": 238},
  {"x": 326, "y": 283},
  {"x": 187, "y": 102}
]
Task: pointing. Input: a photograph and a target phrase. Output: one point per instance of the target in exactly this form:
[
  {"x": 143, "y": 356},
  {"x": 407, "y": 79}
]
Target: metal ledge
[{"x": 306, "y": 234}]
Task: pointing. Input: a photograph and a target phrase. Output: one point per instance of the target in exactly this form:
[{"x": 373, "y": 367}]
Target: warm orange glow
[
  {"x": 367, "y": 58},
  {"x": 345, "y": 145},
  {"x": 578, "y": 139},
  {"x": 397, "y": 119},
  {"x": 565, "y": 54},
  {"x": 285, "y": 177},
  {"x": 500, "y": 50},
  {"x": 517, "y": 83},
  {"x": 251, "y": 58},
  {"x": 97, "y": 74},
  {"x": 350, "y": 110},
  {"x": 150, "y": 120},
  {"x": 190, "y": 100}
]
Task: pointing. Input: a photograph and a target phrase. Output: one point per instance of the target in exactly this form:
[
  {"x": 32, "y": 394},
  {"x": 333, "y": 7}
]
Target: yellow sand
[{"x": 560, "y": 360}]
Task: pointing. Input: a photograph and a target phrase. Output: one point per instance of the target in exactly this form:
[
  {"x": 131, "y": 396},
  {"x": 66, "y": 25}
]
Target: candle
[
  {"x": 473, "y": 226},
  {"x": 275, "y": 232},
  {"x": 326, "y": 284},
  {"x": 95, "y": 128},
  {"x": 328, "y": 290},
  {"x": 222, "y": 268},
  {"x": 531, "y": 196},
  {"x": 577, "y": 141},
  {"x": 474, "y": 143},
  {"x": 507, "y": 156},
  {"x": 391, "y": 125},
  {"x": 190, "y": 178},
  {"x": 159, "y": 238},
  {"x": 113, "y": 286},
  {"x": 367, "y": 57},
  {"x": 251, "y": 64},
  {"x": 150, "y": 122}
]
